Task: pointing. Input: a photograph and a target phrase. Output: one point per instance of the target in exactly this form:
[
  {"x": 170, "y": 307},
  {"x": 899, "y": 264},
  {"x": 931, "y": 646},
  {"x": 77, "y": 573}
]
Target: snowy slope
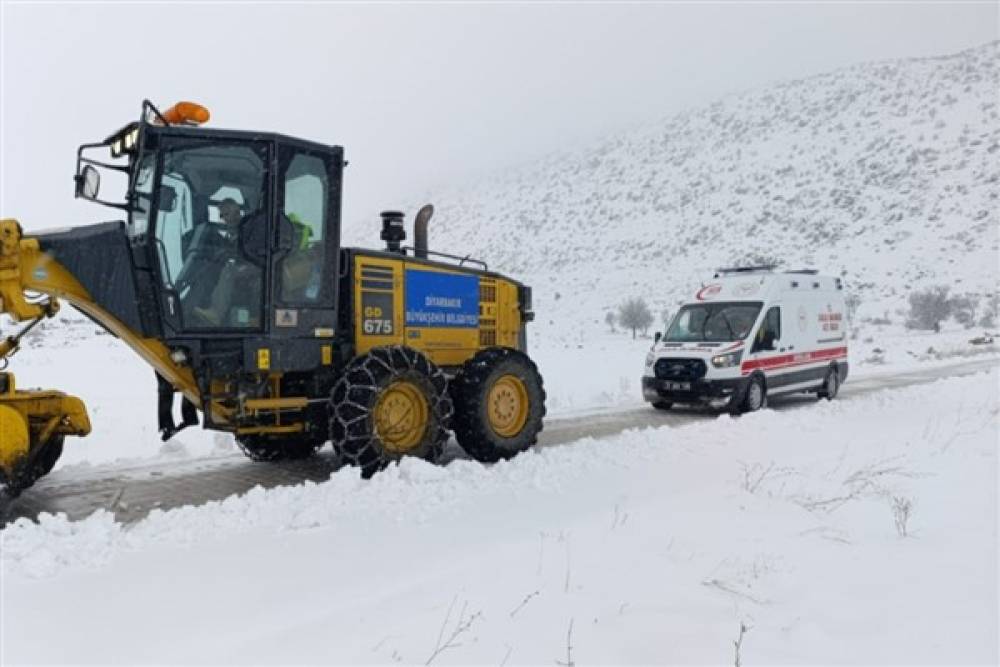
[
  {"x": 886, "y": 173},
  {"x": 655, "y": 544}
]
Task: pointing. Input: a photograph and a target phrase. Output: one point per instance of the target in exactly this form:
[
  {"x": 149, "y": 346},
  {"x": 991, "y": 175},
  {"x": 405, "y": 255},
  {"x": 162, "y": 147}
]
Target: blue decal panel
[{"x": 441, "y": 299}]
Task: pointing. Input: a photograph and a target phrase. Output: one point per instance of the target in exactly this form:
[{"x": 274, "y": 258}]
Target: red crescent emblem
[{"x": 707, "y": 292}]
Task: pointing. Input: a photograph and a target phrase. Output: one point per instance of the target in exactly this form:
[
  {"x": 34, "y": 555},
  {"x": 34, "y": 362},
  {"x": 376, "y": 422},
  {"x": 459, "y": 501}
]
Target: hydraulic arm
[{"x": 32, "y": 423}]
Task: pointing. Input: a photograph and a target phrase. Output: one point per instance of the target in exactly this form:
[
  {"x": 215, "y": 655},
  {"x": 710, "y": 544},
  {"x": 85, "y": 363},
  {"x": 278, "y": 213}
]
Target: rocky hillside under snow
[{"x": 886, "y": 173}]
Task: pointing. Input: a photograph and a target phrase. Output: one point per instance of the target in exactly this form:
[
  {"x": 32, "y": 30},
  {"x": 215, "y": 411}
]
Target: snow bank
[{"x": 655, "y": 545}]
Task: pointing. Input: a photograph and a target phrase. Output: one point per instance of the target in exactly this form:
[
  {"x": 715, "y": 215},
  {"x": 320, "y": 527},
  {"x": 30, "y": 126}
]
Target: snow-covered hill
[{"x": 886, "y": 173}]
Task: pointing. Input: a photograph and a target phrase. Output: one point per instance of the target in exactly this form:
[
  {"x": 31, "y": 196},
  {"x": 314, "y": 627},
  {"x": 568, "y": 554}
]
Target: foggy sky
[{"x": 417, "y": 95}]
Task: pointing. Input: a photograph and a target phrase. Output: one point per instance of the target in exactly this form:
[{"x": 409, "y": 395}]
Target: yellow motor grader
[{"x": 227, "y": 277}]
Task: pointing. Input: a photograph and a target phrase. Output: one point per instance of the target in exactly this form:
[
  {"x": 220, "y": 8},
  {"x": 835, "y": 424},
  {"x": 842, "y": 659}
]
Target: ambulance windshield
[{"x": 713, "y": 322}]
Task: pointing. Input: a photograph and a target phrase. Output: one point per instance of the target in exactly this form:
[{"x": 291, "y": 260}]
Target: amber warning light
[{"x": 186, "y": 113}]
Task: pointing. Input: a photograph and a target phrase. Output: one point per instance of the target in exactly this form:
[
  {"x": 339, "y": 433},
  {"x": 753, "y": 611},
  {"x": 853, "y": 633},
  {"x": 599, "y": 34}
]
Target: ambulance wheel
[
  {"x": 389, "y": 403},
  {"x": 499, "y": 404},
  {"x": 756, "y": 395},
  {"x": 831, "y": 385},
  {"x": 663, "y": 405}
]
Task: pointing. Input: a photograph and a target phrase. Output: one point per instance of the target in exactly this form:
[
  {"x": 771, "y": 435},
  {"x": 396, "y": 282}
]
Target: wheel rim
[
  {"x": 400, "y": 415},
  {"x": 756, "y": 396},
  {"x": 507, "y": 406}
]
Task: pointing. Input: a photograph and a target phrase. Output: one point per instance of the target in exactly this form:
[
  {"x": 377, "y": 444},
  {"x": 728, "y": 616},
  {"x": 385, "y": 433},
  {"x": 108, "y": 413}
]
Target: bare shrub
[
  {"x": 928, "y": 308},
  {"x": 569, "y": 648},
  {"x": 989, "y": 318},
  {"x": 738, "y": 643},
  {"x": 609, "y": 319},
  {"x": 964, "y": 309},
  {"x": 756, "y": 259},
  {"x": 851, "y": 302},
  {"x": 462, "y": 625},
  {"x": 902, "y": 508}
]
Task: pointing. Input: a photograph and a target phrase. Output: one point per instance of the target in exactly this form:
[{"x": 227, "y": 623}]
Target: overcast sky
[{"x": 417, "y": 95}]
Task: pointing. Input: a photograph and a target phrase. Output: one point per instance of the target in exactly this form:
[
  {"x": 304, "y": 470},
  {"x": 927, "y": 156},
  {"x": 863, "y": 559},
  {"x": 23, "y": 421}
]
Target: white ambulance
[{"x": 748, "y": 334}]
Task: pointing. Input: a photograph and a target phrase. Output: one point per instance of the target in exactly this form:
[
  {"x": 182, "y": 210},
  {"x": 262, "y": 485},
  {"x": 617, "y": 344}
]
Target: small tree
[
  {"x": 929, "y": 307},
  {"x": 852, "y": 301},
  {"x": 609, "y": 319},
  {"x": 989, "y": 318},
  {"x": 964, "y": 308},
  {"x": 635, "y": 314}
]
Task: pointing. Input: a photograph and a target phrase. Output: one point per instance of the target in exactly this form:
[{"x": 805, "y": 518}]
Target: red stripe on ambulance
[{"x": 790, "y": 360}]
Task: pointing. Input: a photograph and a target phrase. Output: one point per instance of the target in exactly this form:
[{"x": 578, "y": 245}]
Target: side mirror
[
  {"x": 168, "y": 199},
  {"x": 88, "y": 183},
  {"x": 656, "y": 337}
]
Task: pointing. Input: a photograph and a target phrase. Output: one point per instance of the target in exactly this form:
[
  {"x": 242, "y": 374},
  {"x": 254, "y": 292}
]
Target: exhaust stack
[{"x": 420, "y": 230}]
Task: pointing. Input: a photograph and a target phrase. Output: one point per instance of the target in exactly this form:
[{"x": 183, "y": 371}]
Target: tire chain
[{"x": 356, "y": 392}]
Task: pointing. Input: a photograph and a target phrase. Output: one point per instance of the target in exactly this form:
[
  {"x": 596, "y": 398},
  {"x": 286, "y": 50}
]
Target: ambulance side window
[{"x": 770, "y": 330}]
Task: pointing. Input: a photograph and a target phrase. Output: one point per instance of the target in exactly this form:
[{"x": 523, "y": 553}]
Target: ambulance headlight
[
  {"x": 650, "y": 358},
  {"x": 727, "y": 360}
]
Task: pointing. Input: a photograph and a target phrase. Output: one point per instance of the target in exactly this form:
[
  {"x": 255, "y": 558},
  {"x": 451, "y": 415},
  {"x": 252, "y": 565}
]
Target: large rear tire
[
  {"x": 389, "y": 403},
  {"x": 265, "y": 448},
  {"x": 499, "y": 404}
]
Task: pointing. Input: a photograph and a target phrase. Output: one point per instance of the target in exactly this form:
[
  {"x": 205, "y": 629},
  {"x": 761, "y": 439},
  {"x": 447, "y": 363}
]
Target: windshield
[{"x": 713, "y": 322}]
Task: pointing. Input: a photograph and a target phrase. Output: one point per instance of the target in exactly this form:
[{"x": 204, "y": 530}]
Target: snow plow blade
[{"x": 32, "y": 427}]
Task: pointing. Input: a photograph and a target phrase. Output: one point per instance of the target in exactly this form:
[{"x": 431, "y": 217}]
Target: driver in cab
[{"x": 214, "y": 266}]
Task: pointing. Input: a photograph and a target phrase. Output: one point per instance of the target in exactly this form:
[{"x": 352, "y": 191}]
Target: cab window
[
  {"x": 305, "y": 206},
  {"x": 210, "y": 208}
]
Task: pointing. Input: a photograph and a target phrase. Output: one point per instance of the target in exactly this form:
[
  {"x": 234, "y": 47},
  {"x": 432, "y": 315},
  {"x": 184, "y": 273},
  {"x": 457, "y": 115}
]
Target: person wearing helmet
[{"x": 222, "y": 268}]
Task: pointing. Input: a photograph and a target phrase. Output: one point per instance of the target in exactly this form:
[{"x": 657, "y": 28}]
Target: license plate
[{"x": 677, "y": 386}]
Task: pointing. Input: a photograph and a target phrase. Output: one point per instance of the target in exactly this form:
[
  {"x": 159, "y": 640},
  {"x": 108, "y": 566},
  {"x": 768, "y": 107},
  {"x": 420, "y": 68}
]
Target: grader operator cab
[{"x": 229, "y": 279}]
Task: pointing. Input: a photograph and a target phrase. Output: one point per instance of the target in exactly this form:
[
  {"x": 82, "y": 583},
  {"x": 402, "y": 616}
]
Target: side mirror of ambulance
[{"x": 656, "y": 337}]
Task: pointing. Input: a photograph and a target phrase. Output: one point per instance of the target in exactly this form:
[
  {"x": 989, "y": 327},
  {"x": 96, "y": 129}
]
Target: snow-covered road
[
  {"x": 862, "y": 530},
  {"x": 131, "y": 491}
]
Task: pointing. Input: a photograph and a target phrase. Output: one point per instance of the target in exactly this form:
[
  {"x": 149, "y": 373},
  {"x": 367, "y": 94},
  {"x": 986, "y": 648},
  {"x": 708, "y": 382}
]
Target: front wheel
[
  {"x": 755, "y": 396},
  {"x": 663, "y": 405},
  {"x": 499, "y": 404}
]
